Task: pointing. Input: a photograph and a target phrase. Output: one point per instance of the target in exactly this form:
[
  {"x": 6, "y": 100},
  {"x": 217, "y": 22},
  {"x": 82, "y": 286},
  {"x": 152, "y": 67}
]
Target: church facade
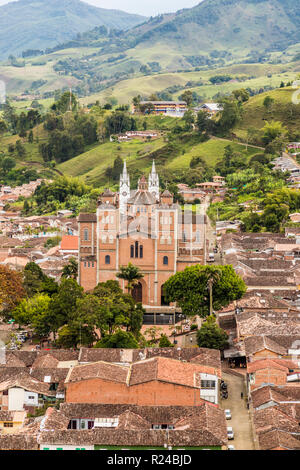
[{"x": 144, "y": 227}]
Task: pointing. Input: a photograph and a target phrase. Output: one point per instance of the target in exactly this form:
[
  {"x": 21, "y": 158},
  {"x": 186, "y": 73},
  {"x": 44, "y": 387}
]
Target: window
[
  {"x": 8, "y": 425},
  {"x": 86, "y": 235},
  {"x": 107, "y": 259},
  {"x": 208, "y": 384},
  {"x": 136, "y": 251},
  {"x": 166, "y": 261}
]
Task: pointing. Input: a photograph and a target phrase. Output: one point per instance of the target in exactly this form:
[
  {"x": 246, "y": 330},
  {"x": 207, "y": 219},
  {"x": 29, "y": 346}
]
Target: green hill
[
  {"x": 212, "y": 35},
  {"x": 40, "y": 24}
]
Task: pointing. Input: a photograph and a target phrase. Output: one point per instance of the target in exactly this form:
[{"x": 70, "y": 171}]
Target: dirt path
[
  {"x": 237, "y": 142},
  {"x": 240, "y": 422}
]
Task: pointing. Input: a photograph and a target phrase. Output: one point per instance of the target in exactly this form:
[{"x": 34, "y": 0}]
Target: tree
[
  {"x": 20, "y": 149},
  {"x": 196, "y": 300},
  {"x": 33, "y": 278},
  {"x": 230, "y": 114},
  {"x": 3, "y": 127},
  {"x": 273, "y": 130},
  {"x": 67, "y": 102},
  {"x": 131, "y": 274},
  {"x": 202, "y": 121},
  {"x": 34, "y": 312},
  {"x": 164, "y": 342},
  {"x": 11, "y": 290},
  {"x": 64, "y": 303},
  {"x": 120, "y": 339},
  {"x": 268, "y": 102},
  {"x": 187, "y": 96},
  {"x": 189, "y": 120},
  {"x": 117, "y": 310},
  {"x": 71, "y": 269},
  {"x": 211, "y": 336},
  {"x": 241, "y": 95},
  {"x": 8, "y": 164}
]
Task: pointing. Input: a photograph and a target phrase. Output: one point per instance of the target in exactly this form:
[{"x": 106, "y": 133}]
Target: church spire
[
  {"x": 153, "y": 183},
  {"x": 124, "y": 194}
]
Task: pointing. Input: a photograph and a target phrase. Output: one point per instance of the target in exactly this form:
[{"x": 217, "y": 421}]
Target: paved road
[{"x": 240, "y": 421}]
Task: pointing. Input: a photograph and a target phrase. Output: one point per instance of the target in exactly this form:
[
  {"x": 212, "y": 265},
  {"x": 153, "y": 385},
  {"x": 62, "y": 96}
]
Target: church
[{"x": 143, "y": 226}]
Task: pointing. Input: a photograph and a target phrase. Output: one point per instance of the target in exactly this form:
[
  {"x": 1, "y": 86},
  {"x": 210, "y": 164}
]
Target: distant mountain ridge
[{"x": 39, "y": 24}]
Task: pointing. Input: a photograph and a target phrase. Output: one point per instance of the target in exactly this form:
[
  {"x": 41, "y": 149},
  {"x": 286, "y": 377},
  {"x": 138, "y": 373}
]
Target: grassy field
[
  {"x": 255, "y": 114},
  {"x": 92, "y": 164},
  {"x": 252, "y": 75},
  {"x": 210, "y": 152}
]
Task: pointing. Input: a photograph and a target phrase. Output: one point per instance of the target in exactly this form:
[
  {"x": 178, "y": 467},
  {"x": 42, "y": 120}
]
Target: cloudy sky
[{"x": 143, "y": 7}]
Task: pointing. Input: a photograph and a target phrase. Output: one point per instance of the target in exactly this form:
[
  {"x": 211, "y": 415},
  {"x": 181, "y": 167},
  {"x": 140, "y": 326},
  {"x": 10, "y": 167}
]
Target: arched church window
[
  {"x": 86, "y": 235},
  {"x": 166, "y": 260},
  {"x": 107, "y": 259}
]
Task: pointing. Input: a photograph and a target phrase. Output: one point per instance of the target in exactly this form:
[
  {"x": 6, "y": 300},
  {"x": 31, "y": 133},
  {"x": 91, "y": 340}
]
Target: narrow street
[{"x": 240, "y": 422}]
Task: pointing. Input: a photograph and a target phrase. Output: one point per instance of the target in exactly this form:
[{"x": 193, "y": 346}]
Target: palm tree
[
  {"x": 71, "y": 269},
  {"x": 132, "y": 274},
  {"x": 213, "y": 278}
]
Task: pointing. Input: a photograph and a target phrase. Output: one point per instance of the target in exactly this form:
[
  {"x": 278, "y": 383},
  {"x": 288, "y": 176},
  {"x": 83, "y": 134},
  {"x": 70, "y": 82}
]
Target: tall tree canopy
[{"x": 190, "y": 289}]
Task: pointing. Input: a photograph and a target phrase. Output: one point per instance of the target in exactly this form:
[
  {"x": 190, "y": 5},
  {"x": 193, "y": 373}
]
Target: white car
[
  {"x": 230, "y": 433},
  {"x": 230, "y": 447},
  {"x": 227, "y": 414}
]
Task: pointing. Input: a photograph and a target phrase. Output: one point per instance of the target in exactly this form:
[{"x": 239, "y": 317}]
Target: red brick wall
[{"x": 150, "y": 393}]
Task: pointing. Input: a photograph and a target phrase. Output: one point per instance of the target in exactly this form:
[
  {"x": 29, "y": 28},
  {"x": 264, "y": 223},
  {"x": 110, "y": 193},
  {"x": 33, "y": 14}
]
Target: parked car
[
  {"x": 227, "y": 414},
  {"x": 230, "y": 447},
  {"x": 230, "y": 433}
]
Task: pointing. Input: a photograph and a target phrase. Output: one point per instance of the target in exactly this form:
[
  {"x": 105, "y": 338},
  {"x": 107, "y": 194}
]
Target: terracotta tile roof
[
  {"x": 130, "y": 420},
  {"x": 6, "y": 415},
  {"x": 56, "y": 375},
  {"x": 18, "y": 442},
  {"x": 265, "y": 364},
  {"x": 45, "y": 361},
  {"x": 254, "y": 344},
  {"x": 209, "y": 357},
  {"x": 273, "y": 418},
  {"x": 54, "y": 420},
  {"x": 168, "y": 370},
  {"x": 87, "y": 218},
  {"x": 266, "y": 394},
  {"x": 157, "y": 368},
  {"x": 255, "y": 325},
  {"x": 102, "y": 370},
  {"x": 26, "y": 382},
  {"x": 278, "y": 439},
  {"x": 69, "y": 242},
  {"x": 136, "y": 438}
]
